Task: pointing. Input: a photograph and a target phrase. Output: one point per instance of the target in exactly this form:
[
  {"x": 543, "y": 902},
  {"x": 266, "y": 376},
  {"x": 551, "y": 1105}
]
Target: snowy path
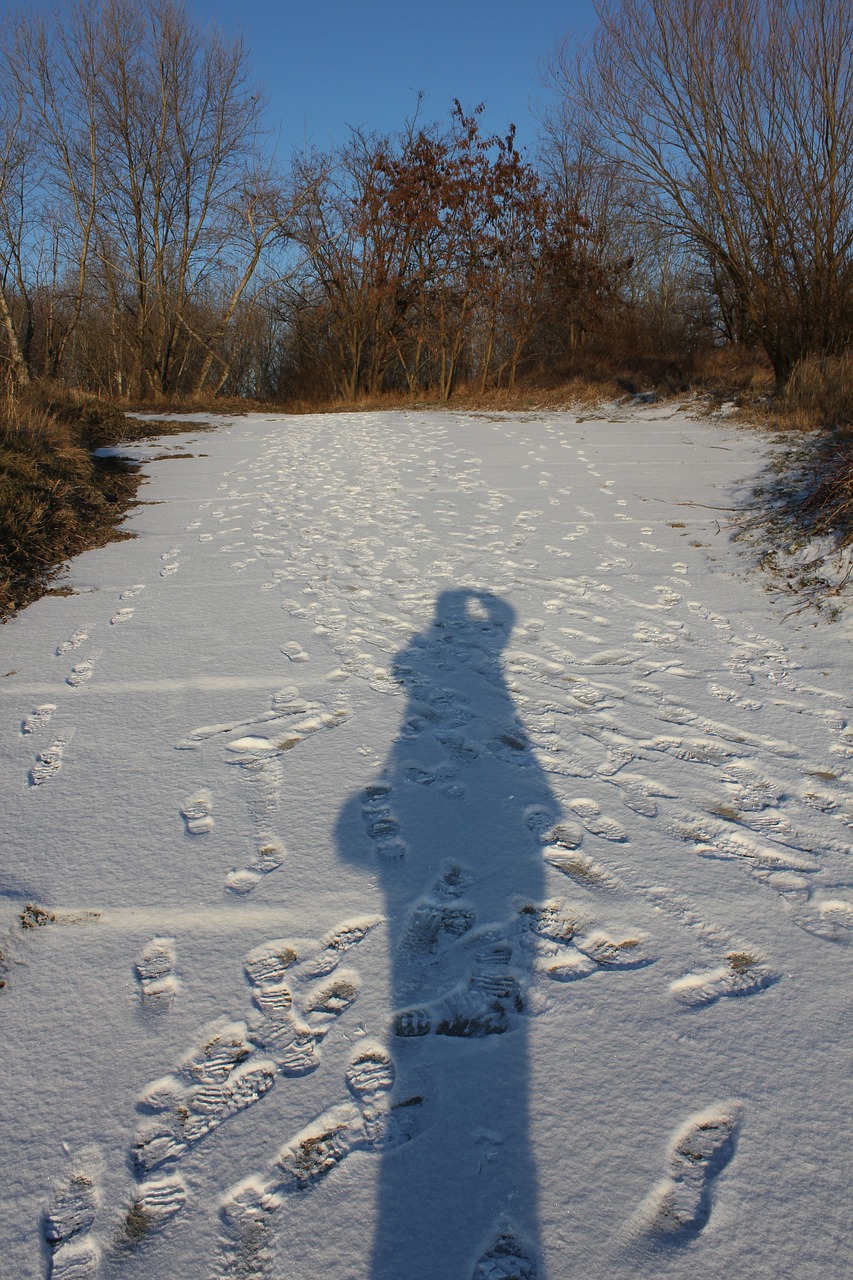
[{"x": 427, "y": 856}]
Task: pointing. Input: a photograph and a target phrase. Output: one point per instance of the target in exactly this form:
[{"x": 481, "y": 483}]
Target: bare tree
[
  {"x": 355, "y": 254},
  {"x": 55, "y": 67},
  {"x": 13, "y": 166},
  {"x": 735, "y": 119},
  {"x": 133, "y": 175},
  {"x": 472, "y": 213},
  {"x": 179, "y": 128}
]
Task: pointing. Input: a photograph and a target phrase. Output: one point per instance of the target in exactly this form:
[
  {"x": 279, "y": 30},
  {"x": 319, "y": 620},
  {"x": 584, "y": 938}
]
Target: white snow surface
[{"x": 436, "y": 851}]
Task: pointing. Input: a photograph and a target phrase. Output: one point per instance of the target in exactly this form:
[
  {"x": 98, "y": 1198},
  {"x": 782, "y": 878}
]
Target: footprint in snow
[
  {"x": 828, "y": 918},
  {"x": 70, "y": 1216},
  {"x": 73, "y": 642},
  {"x": 196, "y": 812},
  {"x": 565, "y": 946},
  {"x": 299, "y": 990},
  {"x": 597, "y": 823},
  {"x": 37, "y": 718},
  {"x": 370, "y": 1121},
  {"x": 380, "y": 823},
  {"x": 506, "y": 1258},
  {"x": 155, "y": 1202},
  {"x": 81, "y": 672},
  {"x": 259, "y": 760},
  {"x": 743, "y": 974},
  {"x": 155, "y": 973},
  {"x": 680, "y": 1205},
  {"x": 294, "y": 651},
  {"x": 481, "y": 1006},
  {"x": 49, "y": 762}
]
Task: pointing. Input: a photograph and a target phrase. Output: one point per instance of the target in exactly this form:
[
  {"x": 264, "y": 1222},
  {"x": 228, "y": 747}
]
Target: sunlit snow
[{"x": 440, "y": 871}]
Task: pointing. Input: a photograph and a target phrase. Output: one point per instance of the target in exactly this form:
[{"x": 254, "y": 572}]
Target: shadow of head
[
  {"x": 468, "y": 629},
  {"x": 476, "y": 614}
]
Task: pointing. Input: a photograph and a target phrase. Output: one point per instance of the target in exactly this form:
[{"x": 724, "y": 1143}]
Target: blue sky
[{"x": 335, "y": 63}]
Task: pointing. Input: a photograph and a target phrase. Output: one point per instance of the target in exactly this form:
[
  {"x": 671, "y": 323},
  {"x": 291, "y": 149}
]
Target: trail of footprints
[
  {"x": 765, "y": 822},
  {"x": 369, "y": 1121},
  {"x": 299, "y": 989},
  {"x": 601, "y": 717},
  {"x": 48, "y": 760},
  {"x": 566, "y": 944},
  {"x": 259, "y": 758}
]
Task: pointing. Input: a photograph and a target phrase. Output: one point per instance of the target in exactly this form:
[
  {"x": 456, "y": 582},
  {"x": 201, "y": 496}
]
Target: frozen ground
[{"x": 427, "y": 857}]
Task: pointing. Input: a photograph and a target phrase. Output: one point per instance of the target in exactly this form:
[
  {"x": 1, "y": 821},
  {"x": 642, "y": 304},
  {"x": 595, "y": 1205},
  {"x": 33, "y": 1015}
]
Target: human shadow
[{"x": 453, "y": 827}]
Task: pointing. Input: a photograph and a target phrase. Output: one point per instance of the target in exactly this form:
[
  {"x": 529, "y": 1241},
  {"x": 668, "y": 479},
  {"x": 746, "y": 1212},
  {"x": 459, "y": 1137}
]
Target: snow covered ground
[{"x": 427, "y": 857}]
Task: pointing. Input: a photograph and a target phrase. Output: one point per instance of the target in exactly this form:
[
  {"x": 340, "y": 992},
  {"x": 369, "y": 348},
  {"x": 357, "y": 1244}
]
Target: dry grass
[
  {"x": 819, "y": 394},
  {"x": 800, "y": 514},
  {"x": 595, "y": 376},
  {"x": 734, "y": 373},
  {"x": 56, "y": 499},
  {"x": 799, "y": 520},
  {"x": 818, "y": 397},
  {"x": 827, "y": 506},
  {"x": 527, "y": 395}
]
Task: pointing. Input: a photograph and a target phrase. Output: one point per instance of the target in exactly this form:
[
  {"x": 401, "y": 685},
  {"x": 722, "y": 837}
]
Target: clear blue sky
[{"x": 333, "y": 63}]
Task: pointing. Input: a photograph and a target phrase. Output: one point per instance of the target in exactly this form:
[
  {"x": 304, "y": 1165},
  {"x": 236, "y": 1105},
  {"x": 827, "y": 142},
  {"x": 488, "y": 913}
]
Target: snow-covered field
[{"x": 427, "y": 857}]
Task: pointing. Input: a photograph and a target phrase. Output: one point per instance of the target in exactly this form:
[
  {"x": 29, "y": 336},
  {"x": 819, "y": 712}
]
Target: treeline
[{"x": 691, "y": 190}]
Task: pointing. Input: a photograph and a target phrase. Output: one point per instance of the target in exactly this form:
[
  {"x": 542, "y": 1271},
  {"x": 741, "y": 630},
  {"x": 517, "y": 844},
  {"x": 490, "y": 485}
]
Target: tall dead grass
[
  {"x": 819, "y": 394},
  {"x": 56, "y": 499},
  {"x": 814, "y": 492}
]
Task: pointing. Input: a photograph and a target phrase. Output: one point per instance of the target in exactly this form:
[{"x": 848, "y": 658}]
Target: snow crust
[{"x": 427, "y": 855}]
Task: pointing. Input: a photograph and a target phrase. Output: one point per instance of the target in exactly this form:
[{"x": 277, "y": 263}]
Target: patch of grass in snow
[
  {"x": 136, "y": 1226},
  {"x": 36, "y": 917},
  {"x": 741, "y": 962},
  {"x": 315, "y": 1155},
  {"x": 726, "y": 812}
]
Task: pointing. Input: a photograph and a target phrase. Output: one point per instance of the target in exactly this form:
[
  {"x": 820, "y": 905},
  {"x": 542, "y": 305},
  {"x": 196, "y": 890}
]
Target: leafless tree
[
  {"x": 134, "y": 171},
  {"x": 178, "y": 123},
  {"x": 735, "y": 120},
  {"x": 13, "y": 168}
]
